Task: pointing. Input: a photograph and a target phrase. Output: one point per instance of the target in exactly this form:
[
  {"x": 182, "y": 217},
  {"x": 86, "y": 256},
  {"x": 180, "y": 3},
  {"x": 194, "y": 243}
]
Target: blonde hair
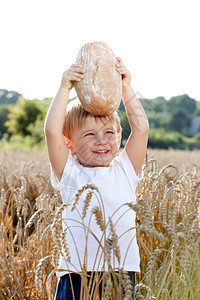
[{"x": 76, "y": 116}]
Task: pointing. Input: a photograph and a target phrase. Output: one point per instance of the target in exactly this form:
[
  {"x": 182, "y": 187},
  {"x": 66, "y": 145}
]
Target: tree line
[{"x": 173, "y": 123}]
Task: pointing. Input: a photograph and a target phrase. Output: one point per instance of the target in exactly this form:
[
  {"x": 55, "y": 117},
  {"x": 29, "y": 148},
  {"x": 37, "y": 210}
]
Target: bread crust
[{"x": 100, "y": 91}]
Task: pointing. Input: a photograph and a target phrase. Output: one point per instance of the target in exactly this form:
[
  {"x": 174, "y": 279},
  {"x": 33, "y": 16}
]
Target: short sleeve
[
  {"x": 66, "y": 173},
  {"x": 129, "y": 169}
]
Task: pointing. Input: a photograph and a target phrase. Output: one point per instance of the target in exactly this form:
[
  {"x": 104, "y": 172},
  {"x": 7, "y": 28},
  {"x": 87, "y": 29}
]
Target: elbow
[
  {"x": 49, "y": 130},
  {"x": 143, "y": 129},
  {"x": 52, "y": 130},
  {"x": 146, "y": 128},
  {"x": 144, "y": 132}
]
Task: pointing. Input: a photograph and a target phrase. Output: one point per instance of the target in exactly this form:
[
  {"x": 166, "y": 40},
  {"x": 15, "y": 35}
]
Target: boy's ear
[
  {"x": 69, "y": 144},
  {"x": 119, "y": 138}
]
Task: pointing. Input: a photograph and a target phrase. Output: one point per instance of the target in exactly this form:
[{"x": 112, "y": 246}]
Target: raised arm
[
  {"x": 57, "y": 148},
  {"x": 136, "y": 145}
]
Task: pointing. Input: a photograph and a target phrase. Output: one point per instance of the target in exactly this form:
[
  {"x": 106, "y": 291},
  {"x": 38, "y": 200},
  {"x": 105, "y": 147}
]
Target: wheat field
[{"x": 168, "y": 223}]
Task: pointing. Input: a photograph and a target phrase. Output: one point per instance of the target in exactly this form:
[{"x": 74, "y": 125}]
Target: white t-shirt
[{"x": 116, "y": 185}]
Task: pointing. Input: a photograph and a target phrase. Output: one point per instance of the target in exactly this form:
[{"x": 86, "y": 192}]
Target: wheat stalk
[{"x": 167, "y": 225}]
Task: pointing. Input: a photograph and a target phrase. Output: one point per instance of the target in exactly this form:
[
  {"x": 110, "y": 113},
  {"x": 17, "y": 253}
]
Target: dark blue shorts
[{"x": 64, "y": 289}]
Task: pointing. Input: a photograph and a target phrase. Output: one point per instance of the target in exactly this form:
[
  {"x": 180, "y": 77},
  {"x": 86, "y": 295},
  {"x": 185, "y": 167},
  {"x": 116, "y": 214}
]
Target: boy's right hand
[{"x": 74, "y": 73}]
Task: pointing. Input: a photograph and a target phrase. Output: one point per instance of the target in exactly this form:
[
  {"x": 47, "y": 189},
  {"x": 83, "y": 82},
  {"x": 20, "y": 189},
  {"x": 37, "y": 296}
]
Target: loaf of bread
[{"x": 100, "y": 91}]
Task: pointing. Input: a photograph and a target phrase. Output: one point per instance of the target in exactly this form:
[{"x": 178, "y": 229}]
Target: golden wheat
[{"x": 168, "y": 230}]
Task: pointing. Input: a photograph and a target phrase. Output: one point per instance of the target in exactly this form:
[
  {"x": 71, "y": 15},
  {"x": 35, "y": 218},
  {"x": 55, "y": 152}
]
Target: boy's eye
[
  {"x": 89, "y": 133},
  {"x": 109, "y": 132}
]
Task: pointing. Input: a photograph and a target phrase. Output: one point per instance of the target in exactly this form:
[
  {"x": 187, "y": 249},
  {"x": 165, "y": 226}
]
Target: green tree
[
  {"x": 159, "y": 105},
  {"x": 159, "y": 120},
  {"x": 182, "y": 102},
  {"x": 4, "y": 111},
  {"x": 37, "y": 130},
  {"x": 197, "y": 113},
  {"x": 180, "y": 121},
  {"x": 157, "y": 113},
  {"x": 25, "y": 113},
  {"x": 126, "y": 130}
]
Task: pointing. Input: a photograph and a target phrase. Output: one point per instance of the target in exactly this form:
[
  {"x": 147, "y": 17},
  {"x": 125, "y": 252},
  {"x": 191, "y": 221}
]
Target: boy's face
[{"x": 95, "y": 144}]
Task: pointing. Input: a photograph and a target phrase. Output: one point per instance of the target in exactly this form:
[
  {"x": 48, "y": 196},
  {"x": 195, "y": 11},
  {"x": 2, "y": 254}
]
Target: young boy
[{"x": 83, "y": 149}]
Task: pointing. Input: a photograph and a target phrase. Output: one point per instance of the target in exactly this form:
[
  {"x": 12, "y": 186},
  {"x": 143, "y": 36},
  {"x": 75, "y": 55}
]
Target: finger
[
  {"x": 118, "y": 70},
  {"x": 121, "y": 70},
  {"x": 119, "y": 65},
  {"x": 119, "y": 59},
  {"x": 75, "y": 72},
  {"x": 75, "y": 78},
  {"x": 68, "y": 74},
  {"x": 80, "y": 75},
  {"x": 78, "y": 68}
]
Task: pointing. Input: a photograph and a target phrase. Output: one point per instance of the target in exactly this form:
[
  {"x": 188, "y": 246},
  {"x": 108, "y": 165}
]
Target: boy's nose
[{"x": 100, "y": 139}]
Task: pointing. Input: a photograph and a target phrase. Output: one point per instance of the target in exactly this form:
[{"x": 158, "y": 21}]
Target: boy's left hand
[{"x": 126, "y": 75}]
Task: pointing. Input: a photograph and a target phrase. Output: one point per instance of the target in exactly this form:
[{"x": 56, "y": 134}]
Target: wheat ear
[
  {"x": 34, "y": 217},
  {"x": 127, "y": 286},
  {"x": 80, "y": 191},
  {"x": 108, "y": 288},
  {"x": 108, "y": 248},
  {"x": 39, "y": 270},
  {"x": 115, "y": 241},
  {"x": 86, "y": 203},
  {"x": 65, "y": 246},
  {"x": 99, "y": 217},
  {"x": 56, "y": 226}
]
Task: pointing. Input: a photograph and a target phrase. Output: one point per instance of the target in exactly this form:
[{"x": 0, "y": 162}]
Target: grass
[{"x": 168, "y": 222}]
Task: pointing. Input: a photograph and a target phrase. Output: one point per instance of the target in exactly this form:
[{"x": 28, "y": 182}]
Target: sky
[{"x": 158, "y": 41}]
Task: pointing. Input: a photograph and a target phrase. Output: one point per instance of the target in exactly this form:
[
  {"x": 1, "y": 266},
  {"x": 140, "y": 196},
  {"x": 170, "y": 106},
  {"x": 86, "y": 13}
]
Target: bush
[
  {"x": 197, "y": 137},
  {"x": 159, "y": 138},
  {"x": 19, "y": 143}
]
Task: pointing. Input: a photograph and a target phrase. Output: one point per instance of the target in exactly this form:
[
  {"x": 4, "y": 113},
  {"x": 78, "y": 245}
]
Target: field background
[
  {"x": 168, "y": 223},
  {"x": 180, "y": 158}
]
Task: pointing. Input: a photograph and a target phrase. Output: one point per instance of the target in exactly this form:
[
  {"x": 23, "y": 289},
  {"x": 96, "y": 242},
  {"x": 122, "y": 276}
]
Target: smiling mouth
[{"x": 101, "y": 151}]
